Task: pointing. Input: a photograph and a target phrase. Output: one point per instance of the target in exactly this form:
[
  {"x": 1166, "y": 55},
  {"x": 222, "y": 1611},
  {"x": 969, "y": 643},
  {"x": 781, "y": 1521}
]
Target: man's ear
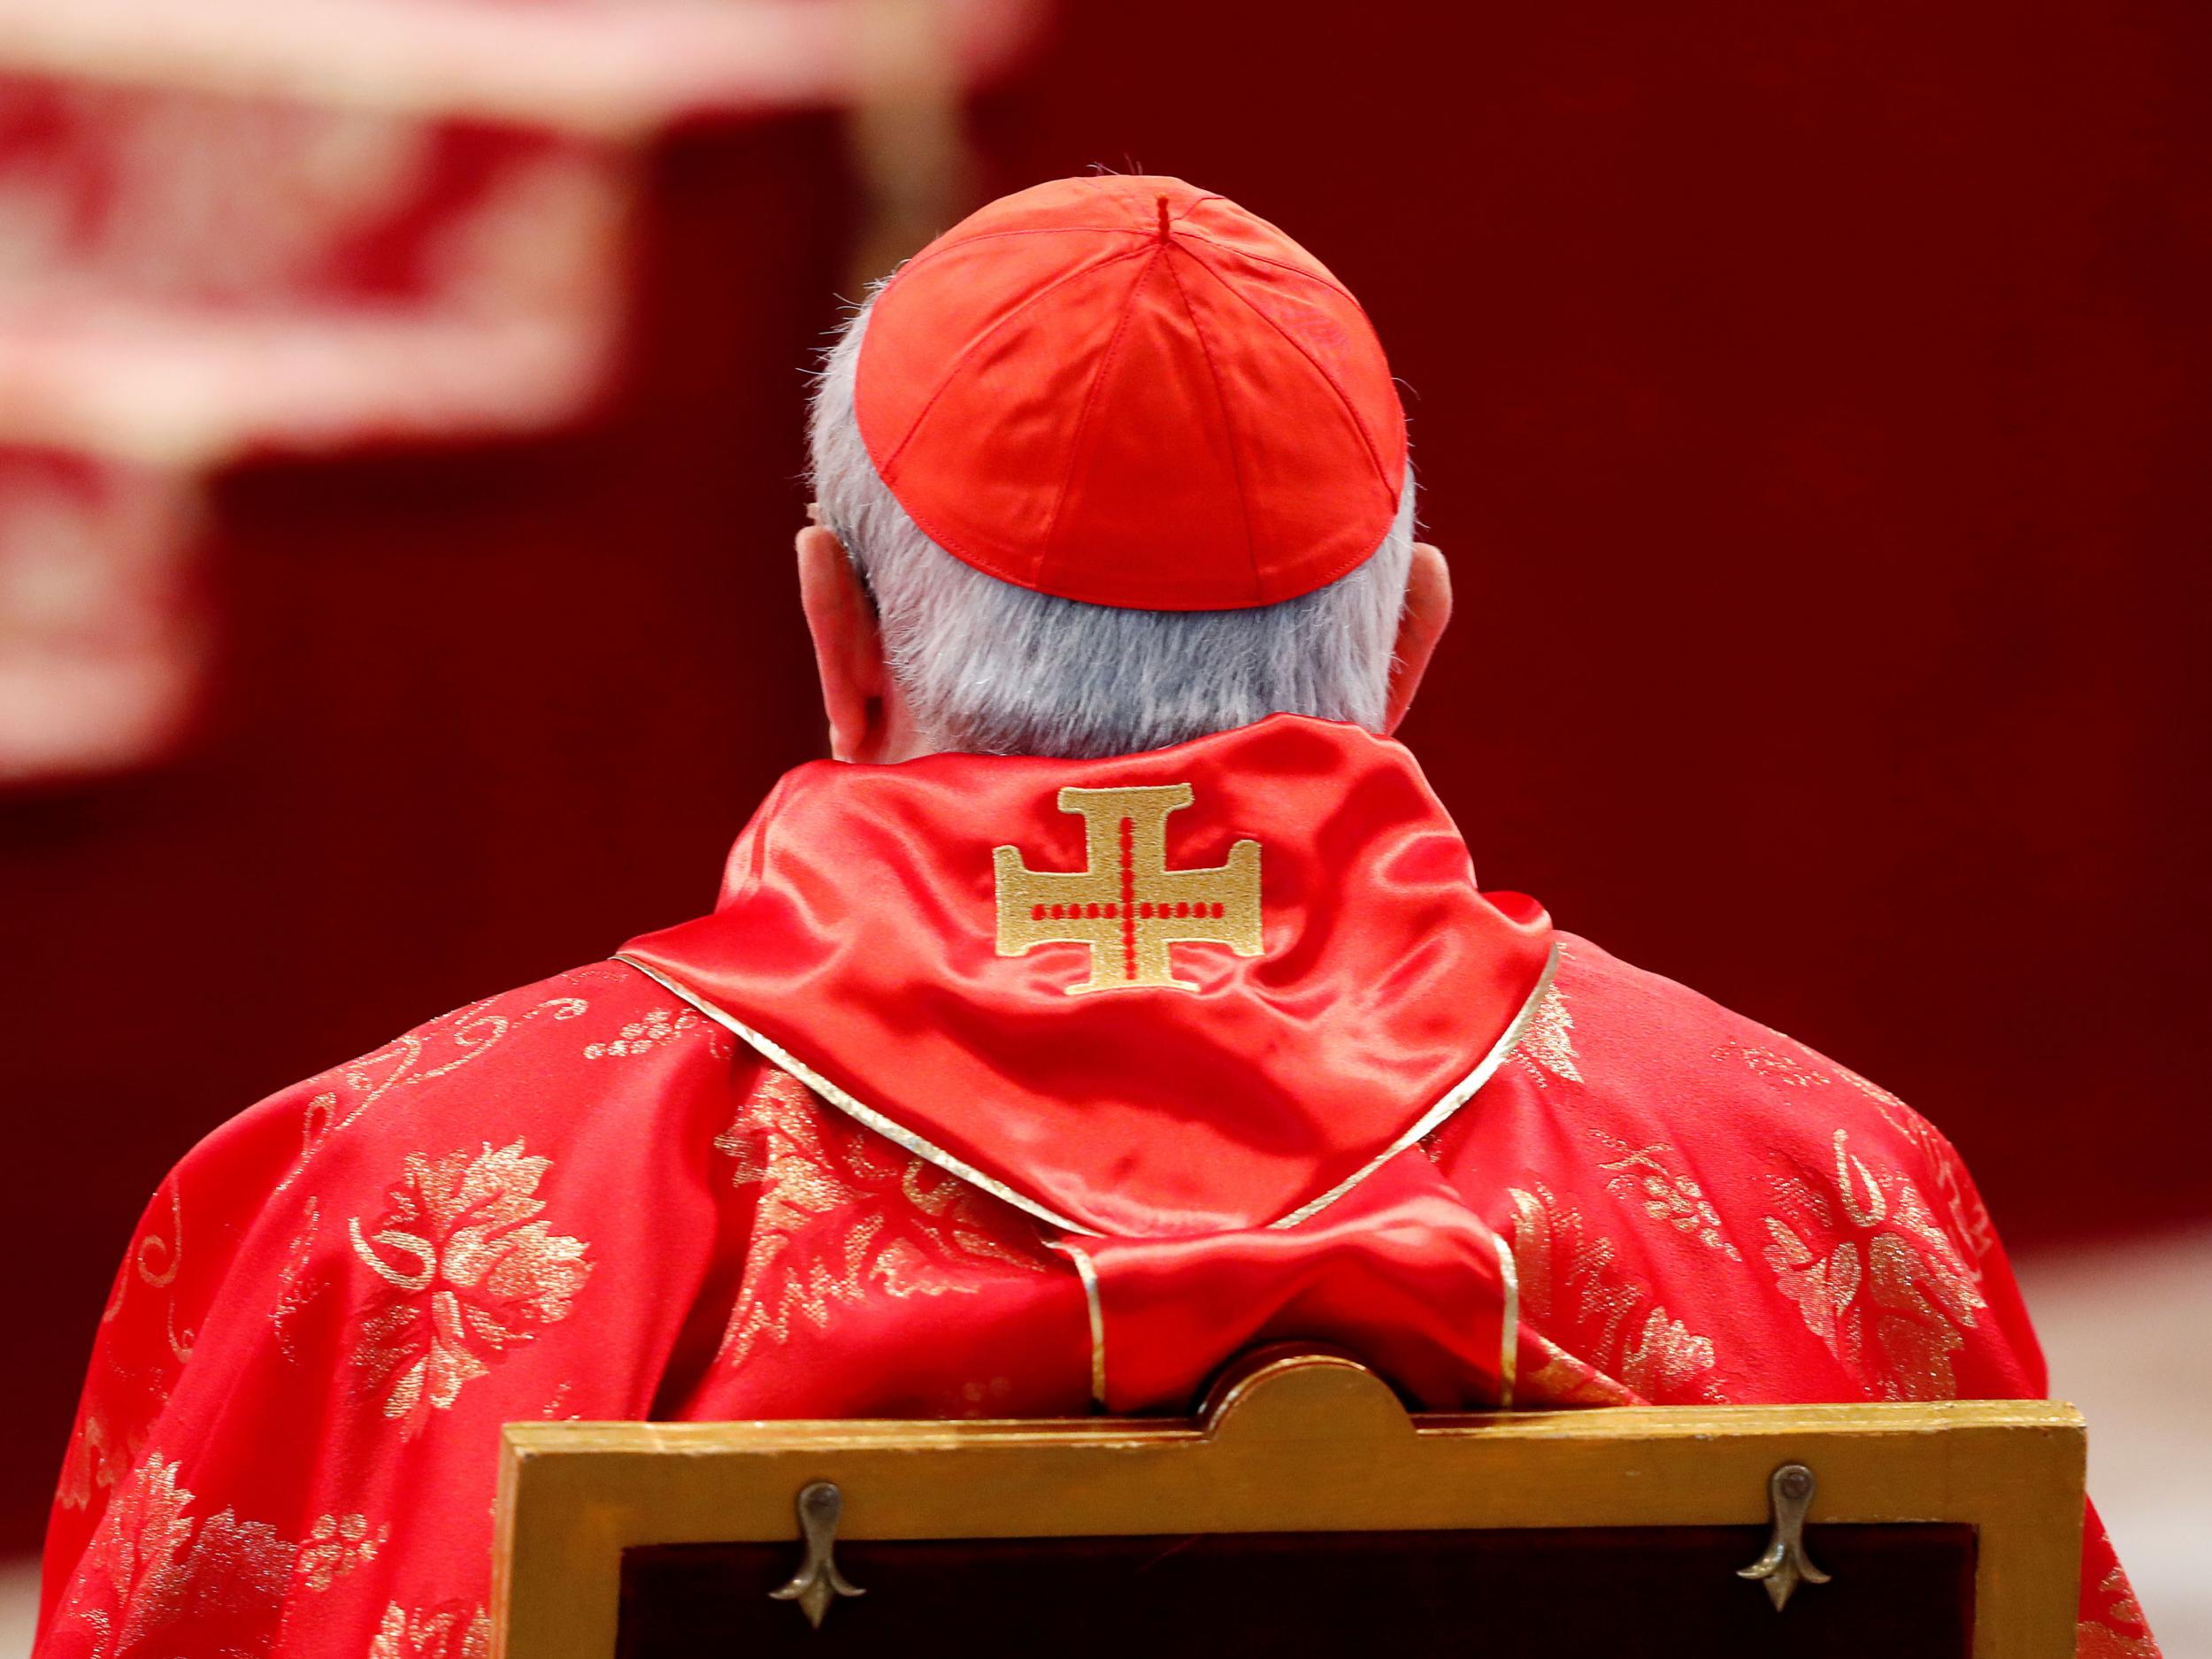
[
  {"x": 848, "y": 645},
  {"x": 1428, "y": 608}
]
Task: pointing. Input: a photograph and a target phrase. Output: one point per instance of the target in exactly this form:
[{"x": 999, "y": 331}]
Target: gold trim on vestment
[
  {"x": 1088, "y": 1274},
  {"x": 1509, "y": 1342},
  {"x": 1458, "y": 1095},
  {"x": 778, "y": 1054}
]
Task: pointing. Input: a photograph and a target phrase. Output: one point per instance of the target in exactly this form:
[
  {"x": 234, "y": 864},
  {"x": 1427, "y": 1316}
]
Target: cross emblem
[{"x": 1128, "y": 906}]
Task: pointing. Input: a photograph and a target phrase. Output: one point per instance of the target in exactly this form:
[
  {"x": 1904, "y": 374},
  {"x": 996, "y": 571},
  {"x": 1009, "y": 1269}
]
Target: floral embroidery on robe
[
  {"x": 1547, "y": 1049},
  {"x": 1873, "y": 1276},
  {"x": 164, "y": 1582},
  {"x": 451, "y": 1630},
  {"x": 1599, "y": 1323},
  {"x": 503, "y": 1227},
  {"x": 842, "y": 1212},
  {"x": 2117, "y": 1632},
  {"x": 471, "y": 1272},
  {"x": 1645, "y": 1175}
]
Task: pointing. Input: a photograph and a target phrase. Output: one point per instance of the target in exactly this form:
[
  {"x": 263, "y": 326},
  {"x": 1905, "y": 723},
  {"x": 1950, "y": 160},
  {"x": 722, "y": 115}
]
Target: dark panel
[{"x": 1899, "y": 1592}]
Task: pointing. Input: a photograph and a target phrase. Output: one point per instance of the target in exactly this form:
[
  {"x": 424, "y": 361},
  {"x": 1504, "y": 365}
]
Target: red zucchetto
[{"x": 1133, "y": 392}]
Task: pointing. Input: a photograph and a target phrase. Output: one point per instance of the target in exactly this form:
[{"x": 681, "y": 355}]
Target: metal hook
[
  {"x": 817, "y": 1579},
  {"x": 1784, "y": 1564}
]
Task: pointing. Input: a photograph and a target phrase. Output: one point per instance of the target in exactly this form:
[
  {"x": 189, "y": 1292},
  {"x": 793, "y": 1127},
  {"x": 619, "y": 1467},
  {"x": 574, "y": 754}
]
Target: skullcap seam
[
  {"x": 1228, "y": 433},
  {"x": 952, "y": 371},
  {"x": 1083, "y": 419},
  {"x": 1351, "y": 413}
]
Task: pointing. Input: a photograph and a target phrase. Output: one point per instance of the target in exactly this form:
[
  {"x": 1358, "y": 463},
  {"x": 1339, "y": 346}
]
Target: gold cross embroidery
[{"x": 1128, "y": 906}]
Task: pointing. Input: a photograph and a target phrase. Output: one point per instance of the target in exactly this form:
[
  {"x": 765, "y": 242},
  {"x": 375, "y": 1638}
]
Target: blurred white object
[
  {"x": 2127, "y": 1328},
  {"x": 232, "y": 231},
  {"x": 102, "y": 633},
  {"x": 19, "y": 1607},
  {"x": 618, "y": 71}
]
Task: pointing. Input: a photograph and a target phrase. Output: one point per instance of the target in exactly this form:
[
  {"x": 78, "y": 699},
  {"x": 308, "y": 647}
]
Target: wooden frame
[{"x": 1302, "y": 1443}]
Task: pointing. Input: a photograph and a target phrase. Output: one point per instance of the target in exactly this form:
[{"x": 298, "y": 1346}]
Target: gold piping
[
  {"x": 1088, "y": 1274},
  {"x": 1456, "y": 1097},
  {"x": 1508, "y": 1341},
  {"x": 778, "y": 1054}
]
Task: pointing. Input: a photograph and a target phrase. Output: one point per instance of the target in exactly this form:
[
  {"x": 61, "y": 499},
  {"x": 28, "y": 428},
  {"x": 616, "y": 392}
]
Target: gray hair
[{"x": 990, "y": 668}]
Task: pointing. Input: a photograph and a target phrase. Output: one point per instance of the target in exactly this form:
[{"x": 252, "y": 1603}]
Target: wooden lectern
[{"x": 1304, "y": 1511}]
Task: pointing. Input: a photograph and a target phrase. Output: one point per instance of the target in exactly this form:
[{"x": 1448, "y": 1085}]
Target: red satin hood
[{"x": 895, "y": 936}]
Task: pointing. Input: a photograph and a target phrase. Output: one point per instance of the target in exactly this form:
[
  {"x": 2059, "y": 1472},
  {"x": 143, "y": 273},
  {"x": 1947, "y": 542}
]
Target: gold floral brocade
[
  {"x": 1873, "y": 1276},
  {"x": 451, "y": 1630},
  {"x": 295, "y": 1285},
  {"x": 129, "y": 1385},
  {"x": 99, "y": 1456},
  {"x": 1546, "y": 1050},
  {"x": 336, "y": 1545},
  {"x": 1971, "y": 1225},
  {"x": 843, "y": 1213},
  {"x": 657, "y": 1027},
  {"x": 2102, "y": 1638},
  {"x": 1770, "y": 1065},
  {"x": 1624, "y": 1346},
  {"x": 1970, "y": 1221},
  {"x": 1644, "y": 1175},
  {"x": 467, "y": 1272},
  {"x": 473, "y": 1033},
  {"x": 160, "y": 1582}
]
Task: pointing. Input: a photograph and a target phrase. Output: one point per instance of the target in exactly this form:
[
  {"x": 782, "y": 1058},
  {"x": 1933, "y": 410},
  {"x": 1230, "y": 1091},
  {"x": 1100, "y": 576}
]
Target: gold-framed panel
[{"x": 1296, "y": 1443}]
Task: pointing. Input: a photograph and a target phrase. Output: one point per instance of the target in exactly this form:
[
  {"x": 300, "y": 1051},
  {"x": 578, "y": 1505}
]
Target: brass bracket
[
  {"x": 1785, "y": 1565},
  {"x": 817, "y": 1579}
]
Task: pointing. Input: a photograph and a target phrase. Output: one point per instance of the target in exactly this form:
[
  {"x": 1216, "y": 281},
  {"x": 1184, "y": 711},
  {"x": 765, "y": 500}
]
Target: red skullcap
[{"x": 1132, "y": 392}]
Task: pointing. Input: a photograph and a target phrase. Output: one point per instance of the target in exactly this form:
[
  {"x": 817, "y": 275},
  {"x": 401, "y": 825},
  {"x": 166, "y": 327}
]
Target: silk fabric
[{"x": 857, "y": 932}]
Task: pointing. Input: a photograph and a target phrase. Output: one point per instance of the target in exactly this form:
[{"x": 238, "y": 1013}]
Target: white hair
[{"x": 990, "y": 668}]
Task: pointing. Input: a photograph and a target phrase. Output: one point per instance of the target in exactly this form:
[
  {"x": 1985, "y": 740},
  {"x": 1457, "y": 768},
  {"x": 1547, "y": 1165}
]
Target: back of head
[{"x": 1122, "y": 466}]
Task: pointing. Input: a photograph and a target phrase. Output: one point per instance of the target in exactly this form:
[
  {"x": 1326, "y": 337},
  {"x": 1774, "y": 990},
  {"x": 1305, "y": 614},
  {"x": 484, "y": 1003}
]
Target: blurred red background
[{"x": 1813, "y": 401}]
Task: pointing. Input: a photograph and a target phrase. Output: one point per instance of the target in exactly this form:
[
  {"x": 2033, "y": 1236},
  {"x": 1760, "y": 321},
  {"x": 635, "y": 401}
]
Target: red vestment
[{"x": 976, "y": 1098}]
